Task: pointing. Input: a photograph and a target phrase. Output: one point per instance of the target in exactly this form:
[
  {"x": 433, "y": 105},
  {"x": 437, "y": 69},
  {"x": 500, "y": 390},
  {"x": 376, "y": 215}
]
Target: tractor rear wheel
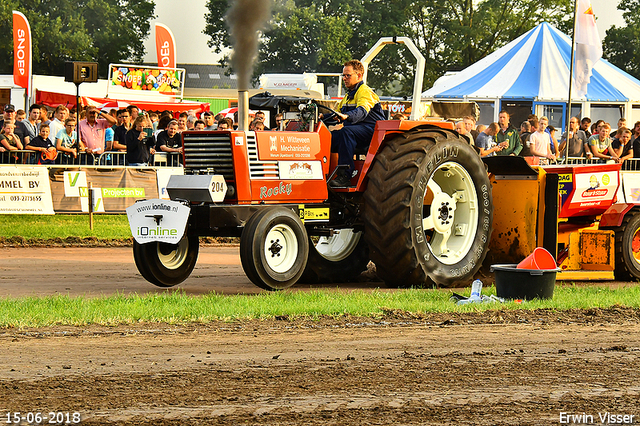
[
  {"x": 627, "y": 247},
  {"x": 273, "y": 248},
  {"x": 336, "y": 259},
  {"x": 166, "y": 265},
  {"x": 428, "y": 210}
]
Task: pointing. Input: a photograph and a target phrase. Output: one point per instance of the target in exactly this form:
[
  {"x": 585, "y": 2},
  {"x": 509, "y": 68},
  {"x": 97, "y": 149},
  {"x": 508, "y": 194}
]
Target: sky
[{"x": 192, "y": 43}]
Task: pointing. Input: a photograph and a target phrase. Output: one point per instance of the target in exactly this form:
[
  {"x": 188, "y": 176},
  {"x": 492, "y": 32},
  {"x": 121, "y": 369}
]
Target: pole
[
  {"x": 90, "y": 196},
  {"x": 573, "y": 43}
]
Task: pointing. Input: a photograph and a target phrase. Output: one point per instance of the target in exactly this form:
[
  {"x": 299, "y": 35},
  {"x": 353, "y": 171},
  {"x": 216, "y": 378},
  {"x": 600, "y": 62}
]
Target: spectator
[
  {"x": 398, "y": 116},
  {"x": 481, "y": 128},
  {"x": 486, "y": 143},
  {"x": 578, "y": 141},
  {"x": 43, "y": 146},
  {"x": 256, "y": 124},
  {"x": 508, "y": 134},
  {"x": 525, "y": 134},
  {"x": 182, "y": 122},
  {"x": 533, "y": 121},
  {"x": 462, "y": 131},
  {"x": 622, "y": 124},
  {"x": 207, "y": 117},
  {"x": 280, "y": 125},
  {"x": 92, "y": 129},
  {"x": 226, "y": 123},
  {"x": 139, "y": 146},
  {"x": 153, "y": 116},
  {"x": 162, "y": 124},
  {"x": 584, "y": 126},
  {"x": 120, "y": 132},
  {"x": 541, "y": 140},
  {"x": 59, "y": 116},
  {"x": 19, "y": 128},
  {"x": 114, "y": 113},
  {"x": 623, "y": 146},
  {"x": 199, "y": 125},
  {"x": 191, "y": 120},
  {"x": 595, "y": 127},
  {"x": 20, "y": 115},
  {"x": 31, "y": 123},
  {"x": 636, "y": 131},
  {"x": 8, "y": 139},
  {"x": 108, "y": 139},
  {"x": 67, "y": 139},
  {"x": 470, "y": 124},
  {"x": 169, "y": 139},
  {"x": 600, "y": 143},
  {"x": 134, "y": 111},
  {"x": 44, "y": 115},
  {"x": 553, "y": 148}
]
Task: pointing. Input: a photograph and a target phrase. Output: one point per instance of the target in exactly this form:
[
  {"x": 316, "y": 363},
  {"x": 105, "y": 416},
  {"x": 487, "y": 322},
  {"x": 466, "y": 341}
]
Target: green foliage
[
  {"x": 307, "y": 36},
  {"x": 621, "y": 45},
  {"x": 103, "y": 31},
  {"x": 176, "y": 307}
]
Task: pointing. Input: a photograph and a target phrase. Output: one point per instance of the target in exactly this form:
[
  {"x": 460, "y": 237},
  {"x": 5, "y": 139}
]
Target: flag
[
  {"x": 588, "y": 46},
  {"x": 165, "y": 47},
  {"x": 21, "y": 52}
]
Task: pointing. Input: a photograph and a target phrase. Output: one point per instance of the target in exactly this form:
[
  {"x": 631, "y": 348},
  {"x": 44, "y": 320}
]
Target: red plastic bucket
[{"x": 539, "y": 259}]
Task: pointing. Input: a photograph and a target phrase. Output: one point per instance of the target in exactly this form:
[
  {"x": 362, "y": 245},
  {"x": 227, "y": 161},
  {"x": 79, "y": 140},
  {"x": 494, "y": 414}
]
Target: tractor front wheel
[
  {"x": 274, "y": 248},
  {"x": 166, "y": 265},
  {"x": 627, "y": 247}
]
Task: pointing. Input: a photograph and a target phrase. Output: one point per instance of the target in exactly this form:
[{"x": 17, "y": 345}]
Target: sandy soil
[{"x": 495, "y": 368}]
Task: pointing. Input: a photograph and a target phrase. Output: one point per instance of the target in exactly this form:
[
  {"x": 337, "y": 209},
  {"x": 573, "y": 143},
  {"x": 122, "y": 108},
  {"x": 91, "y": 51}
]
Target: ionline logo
[{"x": 158, "y": 231}]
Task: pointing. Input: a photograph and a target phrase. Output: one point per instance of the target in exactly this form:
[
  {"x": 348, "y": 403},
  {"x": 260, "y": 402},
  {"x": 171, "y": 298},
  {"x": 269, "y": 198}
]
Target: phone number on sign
[{"x": 35, "y": 418}]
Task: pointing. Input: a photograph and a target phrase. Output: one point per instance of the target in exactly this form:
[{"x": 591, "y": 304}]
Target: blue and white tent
[{"x": 535, "y": 68}]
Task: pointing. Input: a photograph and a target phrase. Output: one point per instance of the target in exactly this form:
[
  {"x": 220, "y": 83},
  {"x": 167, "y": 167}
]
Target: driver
[{"x": 358, "y": 111}]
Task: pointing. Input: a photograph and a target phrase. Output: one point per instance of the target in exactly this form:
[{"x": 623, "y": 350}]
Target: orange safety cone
[{"x": 539, "y": 259}]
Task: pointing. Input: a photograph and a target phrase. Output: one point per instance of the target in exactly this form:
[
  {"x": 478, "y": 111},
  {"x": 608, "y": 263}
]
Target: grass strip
[
  {"x": 106, "y": 226},
  {"x": 179, "y": 308}
]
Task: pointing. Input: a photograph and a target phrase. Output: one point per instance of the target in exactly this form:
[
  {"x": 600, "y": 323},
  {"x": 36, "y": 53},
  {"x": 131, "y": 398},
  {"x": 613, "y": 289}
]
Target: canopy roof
[{"x": 535, "y": 66}]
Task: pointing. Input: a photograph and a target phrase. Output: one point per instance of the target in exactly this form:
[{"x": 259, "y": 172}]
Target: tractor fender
[{"x": 614, "y": 215}]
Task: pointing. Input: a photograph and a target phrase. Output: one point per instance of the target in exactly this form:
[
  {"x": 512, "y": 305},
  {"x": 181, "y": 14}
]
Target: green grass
[
  {"x": 63, "y": 226},
  {"x": 178, "y": 308}
]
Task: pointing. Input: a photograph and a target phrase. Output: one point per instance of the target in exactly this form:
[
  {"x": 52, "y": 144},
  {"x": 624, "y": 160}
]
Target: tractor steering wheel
[{"x": 331, "y": 118}]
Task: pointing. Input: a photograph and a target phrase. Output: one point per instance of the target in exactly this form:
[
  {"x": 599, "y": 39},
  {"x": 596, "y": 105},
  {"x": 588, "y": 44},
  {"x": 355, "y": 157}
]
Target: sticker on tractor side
[
  {"x": 313, "y": 213},
  {"x": 239, "y": 140},
  {"x": 290, "y": 170},
  {"x": 158, "y": 220}
]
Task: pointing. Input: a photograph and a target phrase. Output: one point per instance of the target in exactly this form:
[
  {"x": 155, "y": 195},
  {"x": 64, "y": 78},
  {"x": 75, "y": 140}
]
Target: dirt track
[{"x": 496, "y": 368}]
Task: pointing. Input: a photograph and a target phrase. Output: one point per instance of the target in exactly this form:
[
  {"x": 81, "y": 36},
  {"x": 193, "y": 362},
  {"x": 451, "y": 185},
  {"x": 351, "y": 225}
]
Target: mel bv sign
[
  {"x": 21, "y": 52},
  {"x": 165, "y": 47}
]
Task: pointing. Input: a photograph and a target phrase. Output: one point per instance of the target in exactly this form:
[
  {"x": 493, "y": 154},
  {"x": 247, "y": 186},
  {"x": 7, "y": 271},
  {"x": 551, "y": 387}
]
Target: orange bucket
[{"x": 539, "y": 259}]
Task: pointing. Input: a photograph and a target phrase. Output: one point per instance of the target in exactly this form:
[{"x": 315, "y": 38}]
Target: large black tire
[
  {"x": 273, "y": 248},
  {"x": 166, "y": 265},
  {"x": 423, "y": 185},
  {"x": 339, "y": 258},
  {"x": 627, "y": 247}
]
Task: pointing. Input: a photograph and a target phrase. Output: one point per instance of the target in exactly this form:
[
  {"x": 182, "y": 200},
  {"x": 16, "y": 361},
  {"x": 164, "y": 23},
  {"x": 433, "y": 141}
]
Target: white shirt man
[
  {"x": 57, "y": 124},
  {"x": 541, "y": 140}
]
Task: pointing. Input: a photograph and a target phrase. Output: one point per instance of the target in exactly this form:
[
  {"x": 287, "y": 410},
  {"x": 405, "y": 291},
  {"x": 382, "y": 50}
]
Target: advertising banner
[
  {"x": 114, "y": 189},
  {"x": 25, "y": 190},
  {"x": 21, "y": 52},
  {"x": 165, "y": 47},
  {"x": 149, "y": 79}
]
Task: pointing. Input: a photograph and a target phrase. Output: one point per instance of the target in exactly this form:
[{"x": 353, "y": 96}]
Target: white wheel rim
[
  {"x": 281, "y": 248},
  {"x": 174, "y": 258},
  {"x": 338, "y": 246},
  {"x": 451, "y": 221}
]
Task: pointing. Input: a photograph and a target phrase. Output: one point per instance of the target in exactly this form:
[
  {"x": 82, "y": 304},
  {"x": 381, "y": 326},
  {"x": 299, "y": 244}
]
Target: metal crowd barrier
[
  {"x": 108, "y": 158},
  {"x": 631, "y": 164}
]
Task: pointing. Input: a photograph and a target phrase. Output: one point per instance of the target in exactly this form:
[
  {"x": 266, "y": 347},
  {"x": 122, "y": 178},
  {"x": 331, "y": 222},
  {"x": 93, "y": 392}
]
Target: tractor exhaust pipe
[{"x": 243, "y": 110}]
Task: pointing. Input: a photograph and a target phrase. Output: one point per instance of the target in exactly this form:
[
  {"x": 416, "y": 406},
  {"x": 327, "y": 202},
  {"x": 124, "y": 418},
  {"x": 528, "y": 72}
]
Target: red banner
[
  {"x": 21, "y": 51},
  {"x": 165, "y": 47}
]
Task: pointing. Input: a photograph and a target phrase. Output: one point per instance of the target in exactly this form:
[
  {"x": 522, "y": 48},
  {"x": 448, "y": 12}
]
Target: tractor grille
[
  {"x": 208, "y": 154},
  {"x": 259, "y": 169}
]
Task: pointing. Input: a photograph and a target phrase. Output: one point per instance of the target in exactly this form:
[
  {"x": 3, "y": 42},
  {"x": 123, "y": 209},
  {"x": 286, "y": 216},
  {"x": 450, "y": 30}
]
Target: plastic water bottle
[{"x": 476, "y": 290}]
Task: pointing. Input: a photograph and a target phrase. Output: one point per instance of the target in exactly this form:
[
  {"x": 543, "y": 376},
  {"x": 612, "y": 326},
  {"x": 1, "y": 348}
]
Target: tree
[
  {"x": 318, "y": 36},
  {"x": 103, "y": 31},
  {"x": 621, "y": 45}
]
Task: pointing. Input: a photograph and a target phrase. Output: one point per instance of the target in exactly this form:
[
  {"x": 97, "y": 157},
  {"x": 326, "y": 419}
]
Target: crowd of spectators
[
  {"x": 126, "y": 136},
  {"x": 536, "y": 138}
]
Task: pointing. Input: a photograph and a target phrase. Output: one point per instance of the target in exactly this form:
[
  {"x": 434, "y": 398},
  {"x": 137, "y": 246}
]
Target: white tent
[{"x": 532, "y": 72}]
